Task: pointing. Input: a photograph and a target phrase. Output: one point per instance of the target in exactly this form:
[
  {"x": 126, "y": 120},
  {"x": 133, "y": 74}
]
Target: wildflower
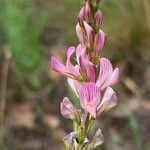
[
  {"x": 69, "y": 111},
  {"x": 84, "y": 70},
  {"x": 90, "y": 98},
  {"x": 107, "y": 76}
]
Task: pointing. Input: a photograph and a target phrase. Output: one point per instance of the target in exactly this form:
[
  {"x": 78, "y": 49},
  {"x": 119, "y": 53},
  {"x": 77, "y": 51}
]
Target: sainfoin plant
[{"x": 91, "y": 78}]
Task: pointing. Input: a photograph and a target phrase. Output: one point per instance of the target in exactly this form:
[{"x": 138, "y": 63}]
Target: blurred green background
[{"x": 31, "y": 31}]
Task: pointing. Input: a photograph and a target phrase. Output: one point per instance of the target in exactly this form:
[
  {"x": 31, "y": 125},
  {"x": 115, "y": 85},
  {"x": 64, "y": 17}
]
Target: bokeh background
[{"x": 31, "y": 31}]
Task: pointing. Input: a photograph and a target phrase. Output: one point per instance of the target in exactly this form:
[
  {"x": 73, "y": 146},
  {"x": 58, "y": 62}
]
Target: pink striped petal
[
  {"x": 99, "y": 42},
  {"x": 113, "y": 79},
  {"x": 88, "y": 68},
  {"x": 98, "y": 18},
  {"x": 79, "y": 34},
  {"x": 109, "y": 100},
  {"x": 57, "y": 66},
  {"x": 105, "y": 71},
  {"x": 75, "y": 85},
  {"x": 93, "y": 111},
  {"x": 80, "y": 51},
  {"x": 69, "y": 65},
  {"x": 67, "y": 109},
  {"x": 89, "y": 97},
  {"x": 89, "y": 32}
]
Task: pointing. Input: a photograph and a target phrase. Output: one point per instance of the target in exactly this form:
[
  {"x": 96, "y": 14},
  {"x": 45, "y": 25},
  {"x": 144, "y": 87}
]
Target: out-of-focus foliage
[{"x": 23, "y": 24}]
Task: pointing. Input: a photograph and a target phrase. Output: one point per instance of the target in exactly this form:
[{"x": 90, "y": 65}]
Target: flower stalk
[{"x": 91, "y": 78}]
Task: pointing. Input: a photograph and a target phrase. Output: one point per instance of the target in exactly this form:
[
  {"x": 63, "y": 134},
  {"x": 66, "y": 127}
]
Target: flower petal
[
  {"x": 71, "y": 69},
  {"x": 75, "y": 85},
  {"x": 109, "y": 100},
  {"x": 99, "y": 42},
  {"x": 57, "y": 66},
  {"x": 67, "y": 109},
  {"x": 89, "y": 96},
  {"x": 104, "y": 73},
  {"x": 88, "y": 68},
  {"x": 89, "y": 32},
  {"x": 80, "y": 51},
  {"x": 97, "y": 140},
  {"x": 79, "y": 33},
  {"x": 93, "y": 111},
  {"x": 113, "y": 79}
]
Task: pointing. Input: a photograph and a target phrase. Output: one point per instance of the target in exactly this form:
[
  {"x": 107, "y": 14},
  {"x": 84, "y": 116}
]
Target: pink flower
[
  {"x": 68, "y": 70},
  {"x": 68, "y": 110},
  {"x": 108, "y": 101},
  {"x": 85, "y": 38},
  {"x": 90, "y": 98},
  {"x": 91, "y": 101},
  {"x": 107, "y": 76},
  {"x": 84, "y": 70},
  {"x": 99, "y": 42}
]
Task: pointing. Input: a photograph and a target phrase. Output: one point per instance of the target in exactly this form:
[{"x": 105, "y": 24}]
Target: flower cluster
[{"x": 91, "y": 78}]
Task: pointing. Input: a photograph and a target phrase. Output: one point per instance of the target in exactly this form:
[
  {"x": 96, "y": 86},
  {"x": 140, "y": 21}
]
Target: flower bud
[
  {"x": 69, "y": 140},
  {"x": 69, "y": 111},
  {"x": 97, "y": 140},
  {"x": 98, "y": 18},
  {"x": 89, "y": 34},
  {"x": 81, "y": 15},
  {"x": 99, "y": 42},
  {"x": 87, "y": 9}
]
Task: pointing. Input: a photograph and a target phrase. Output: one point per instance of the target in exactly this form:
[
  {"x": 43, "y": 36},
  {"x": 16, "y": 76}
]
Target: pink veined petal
[
  {"x": 70, "y": 51},
  {"x": 75, "y": 85},
  {"x": 93, "y": 111},
  {"x": 109, "y": 100},
  {"x": 105, "y": 71},
  {"x": 98, "y": 17},
  {"x": 57, "y": 66},
  {"x": 88, "y": 68},
  {"x": 80, "y": 51},
  {"x": 87, "y": 9},
  {"x": 89, "y": 95},
  {"x": 67, "y": 109},
  {"x": 89, "y": 32},
  {"x": 113, "y": 79},
  {"x": 82, "y": 14},
  {"x": 79, "y": 34},
  {"x": 99, "y": 41},
  {"x": 71, "y": 69}
]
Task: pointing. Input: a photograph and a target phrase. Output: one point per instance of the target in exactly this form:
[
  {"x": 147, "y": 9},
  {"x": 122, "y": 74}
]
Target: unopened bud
[{"x": 98, "y": 18}]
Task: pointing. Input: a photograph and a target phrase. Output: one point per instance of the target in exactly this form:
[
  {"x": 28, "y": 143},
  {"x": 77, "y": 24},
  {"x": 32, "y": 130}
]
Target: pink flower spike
[
  {"x": 90, "y": 98},
  {"x": 107, "y": 76},
  {"x": 109, "y": 100},
  {"x": 67, "y": 109},
  {"x": 99, "y": 42}
]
